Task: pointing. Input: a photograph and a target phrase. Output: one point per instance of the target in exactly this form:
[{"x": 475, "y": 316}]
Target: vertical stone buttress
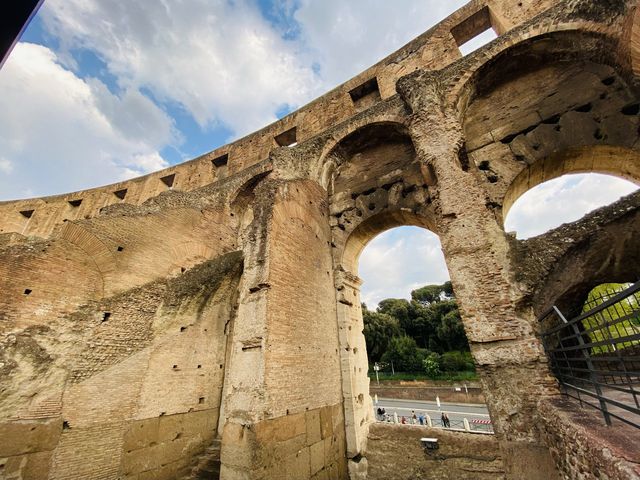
[
  {"x": 510, "y": 359},
  {"x": 284, "y": 405}
]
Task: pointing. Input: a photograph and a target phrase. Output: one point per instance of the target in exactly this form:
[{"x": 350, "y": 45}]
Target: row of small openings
[
  {"x": 475, "y": 31},
  {"x": 77, "y": 202}
]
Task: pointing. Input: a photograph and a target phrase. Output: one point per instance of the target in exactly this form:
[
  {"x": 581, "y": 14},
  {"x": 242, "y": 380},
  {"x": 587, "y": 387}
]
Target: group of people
[{"x": 420, "y": 419}]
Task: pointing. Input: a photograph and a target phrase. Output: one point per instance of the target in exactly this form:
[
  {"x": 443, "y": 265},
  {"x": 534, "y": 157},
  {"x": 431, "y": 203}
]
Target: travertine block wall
[{"x": 218, "y": 300}]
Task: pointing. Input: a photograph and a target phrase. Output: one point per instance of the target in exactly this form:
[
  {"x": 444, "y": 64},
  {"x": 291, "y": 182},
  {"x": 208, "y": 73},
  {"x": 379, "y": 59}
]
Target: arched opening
[
  {"x": 418, "y": 357},
  {"x": 594, "y": 350},
  {"x": 561, "y": 200}
]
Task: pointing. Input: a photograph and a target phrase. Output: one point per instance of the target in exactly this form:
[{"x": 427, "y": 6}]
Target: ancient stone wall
[
  {"x": 143, "y": 322},
  {"x": 395, "y": 451}
]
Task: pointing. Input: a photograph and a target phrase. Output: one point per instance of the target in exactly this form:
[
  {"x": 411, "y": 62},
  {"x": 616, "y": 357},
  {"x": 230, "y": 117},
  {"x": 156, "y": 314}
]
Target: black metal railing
[{"x": 596, "y": 355}]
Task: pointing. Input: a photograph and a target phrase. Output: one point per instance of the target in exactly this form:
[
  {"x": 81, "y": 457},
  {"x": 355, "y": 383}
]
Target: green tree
[
  {"x": 405, "y": 354},
  {"x": 379, "y": 329},
  {"x": 431, "y": 365},
  {"x": 451, "y": 331}
]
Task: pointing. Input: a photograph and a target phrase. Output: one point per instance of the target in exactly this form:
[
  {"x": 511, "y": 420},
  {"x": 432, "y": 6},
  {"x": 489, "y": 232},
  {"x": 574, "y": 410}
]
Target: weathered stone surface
[
  {"x": 140, "y": 326},
  {"x": 395, "y": 452}
]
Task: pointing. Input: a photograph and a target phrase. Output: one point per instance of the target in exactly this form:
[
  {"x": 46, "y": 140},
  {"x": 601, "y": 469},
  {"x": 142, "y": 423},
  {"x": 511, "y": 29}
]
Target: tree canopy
[{"x": 408, "y": 331}]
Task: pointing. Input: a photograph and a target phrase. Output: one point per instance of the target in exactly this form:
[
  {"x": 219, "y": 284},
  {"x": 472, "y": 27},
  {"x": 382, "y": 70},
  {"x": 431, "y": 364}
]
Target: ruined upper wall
[{"x": 433, "y": 50}]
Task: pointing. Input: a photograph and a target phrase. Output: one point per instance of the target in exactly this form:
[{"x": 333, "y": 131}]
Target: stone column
[
  {"x": 510, "y": 359},
  {"x": 353, "y": 363},
  {"x": 284, "y": 408}
]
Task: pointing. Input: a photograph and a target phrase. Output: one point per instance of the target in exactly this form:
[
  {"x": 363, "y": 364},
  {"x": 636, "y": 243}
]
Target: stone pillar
[
  {"x": 510, "y": 359},
  {"x": 284, "y": 406},
  {"x": 354, "y": 365}
]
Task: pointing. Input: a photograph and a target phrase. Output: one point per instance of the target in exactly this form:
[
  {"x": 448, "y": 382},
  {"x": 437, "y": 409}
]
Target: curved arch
[
  {"x": 532, "y": 48},
  {"x": 373, "y": 226},
  {"x": 188, "y": 254},
  {"x": 103, "y": 258},
  {"x": 618, "y": 161},
  {"x": 333, "y": 145}
]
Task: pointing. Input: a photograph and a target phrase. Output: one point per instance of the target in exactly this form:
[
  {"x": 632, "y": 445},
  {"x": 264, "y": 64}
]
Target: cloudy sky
[{"x": 101, "y": 90}]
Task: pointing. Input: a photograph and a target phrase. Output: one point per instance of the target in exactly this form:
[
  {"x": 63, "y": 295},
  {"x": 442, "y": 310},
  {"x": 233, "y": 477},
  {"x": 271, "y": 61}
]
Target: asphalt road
[{"x": 455, "y": 411}]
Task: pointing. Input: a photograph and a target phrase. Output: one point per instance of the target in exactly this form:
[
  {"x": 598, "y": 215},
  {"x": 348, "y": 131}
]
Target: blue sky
[{"x": 98, "y": 91}]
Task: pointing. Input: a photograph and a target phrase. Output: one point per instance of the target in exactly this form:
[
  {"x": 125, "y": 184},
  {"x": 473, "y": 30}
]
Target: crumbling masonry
[{"x": 218, "y": 300}]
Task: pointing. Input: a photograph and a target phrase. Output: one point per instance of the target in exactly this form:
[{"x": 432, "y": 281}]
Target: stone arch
[
  {"x": 618, "y": 161},
  {"x": 374, "y": 170},
  {"x": 188, "y": 254},
  {"x": 375, "y": 225},
  {"x": 530, "y": 48},
  {"x": 103, "y": 258},
  {"x": 524, "y": 128},
  {"x": 332, "y": 151}
]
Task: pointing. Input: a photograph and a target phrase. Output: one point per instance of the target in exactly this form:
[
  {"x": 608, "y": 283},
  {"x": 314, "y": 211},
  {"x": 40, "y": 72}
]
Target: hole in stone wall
[
  {"x": 584, "y": 108},
  {"x": 120, "y": 249},
  {"x": 199, "y": 366},
  {"x": 121, "y": 193},
  {"x": 175, "y": 367},
  {"x": 368, "y": 88},
  {"x": 220, "y": 161},
  {"x": 182, "y": 269},
  {"x": 75, "y": 203},
  {"x": 168, "y": 180},
  {"x": 201, "y": 400},
  {"x": 463, "y": 158},
  {"x": 106, "y": 316},
  {"x": 632, "y": 109},
  {"x": 287, "y": 138},
  {"x": 182, "y": 329},
  {"x": 475, "y": 31},
  {"x": 483, "y": 165},
  {"x": 27, "y": 291},
  {"x": 27, "y": 213},
  {"x": 65, "y": 425}
]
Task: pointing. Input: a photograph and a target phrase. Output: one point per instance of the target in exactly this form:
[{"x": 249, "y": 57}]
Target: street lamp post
[{"x": 376, "y": 367}]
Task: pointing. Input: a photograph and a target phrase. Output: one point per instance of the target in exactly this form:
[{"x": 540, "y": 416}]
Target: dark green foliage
[
  {"x": 404, "y": 353},
  {"x": 456, "y": 361},
  {"x": 379, "y": 329},
  {"x": 428, "y": 326}
]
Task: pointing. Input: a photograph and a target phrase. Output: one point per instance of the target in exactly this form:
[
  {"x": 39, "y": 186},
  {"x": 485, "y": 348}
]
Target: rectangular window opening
[
  {"x": 474, "y": 32},
  {"x": 367, "y": 89},
  {"x": 220, "y": 161},
  {"x": 121, "y": 193},
  {"x": 27, "y": 213},
  {"x": 75, "y": 203},
  {"x": 287, "y": 138},
  {"x": 168, "y": 180}
]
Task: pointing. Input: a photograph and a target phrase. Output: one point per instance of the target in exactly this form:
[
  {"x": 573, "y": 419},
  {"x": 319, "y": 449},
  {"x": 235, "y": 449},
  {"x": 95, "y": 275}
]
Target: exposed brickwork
[{"x": 140, "y": 329}]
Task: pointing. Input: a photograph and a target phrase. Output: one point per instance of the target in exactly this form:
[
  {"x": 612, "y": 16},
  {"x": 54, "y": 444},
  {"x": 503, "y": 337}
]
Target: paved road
[{"x": 455, "y": 411}]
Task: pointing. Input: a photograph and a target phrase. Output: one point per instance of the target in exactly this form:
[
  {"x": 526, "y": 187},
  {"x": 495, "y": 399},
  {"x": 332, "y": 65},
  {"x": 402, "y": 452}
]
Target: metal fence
[
  {"x": 471, "y": 424},
  {"x": 596, "y": 355}
]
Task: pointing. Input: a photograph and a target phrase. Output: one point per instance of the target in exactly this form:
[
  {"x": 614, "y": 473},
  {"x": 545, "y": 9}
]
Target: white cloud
[
  {"x": 5, "y": 165},
  {"x": 221, "y": 61},
  {"x": 398, "y": 261},
  {"x": 561, "y": 200},
  {"x": 348, "y": 37},
  {"x": 65, "y": 133}
]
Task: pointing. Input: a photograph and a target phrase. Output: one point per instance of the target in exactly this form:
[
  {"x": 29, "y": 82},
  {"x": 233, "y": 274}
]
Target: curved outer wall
[{"x": 217, "y": 301}]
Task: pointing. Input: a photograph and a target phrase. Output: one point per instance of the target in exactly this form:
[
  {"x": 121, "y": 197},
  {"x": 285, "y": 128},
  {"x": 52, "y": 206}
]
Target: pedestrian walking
[{"x": 445, "y": 420}]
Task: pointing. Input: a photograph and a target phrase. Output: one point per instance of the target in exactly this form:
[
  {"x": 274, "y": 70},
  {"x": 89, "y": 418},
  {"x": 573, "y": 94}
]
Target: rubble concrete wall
[{"x": 222, "y": 297}]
